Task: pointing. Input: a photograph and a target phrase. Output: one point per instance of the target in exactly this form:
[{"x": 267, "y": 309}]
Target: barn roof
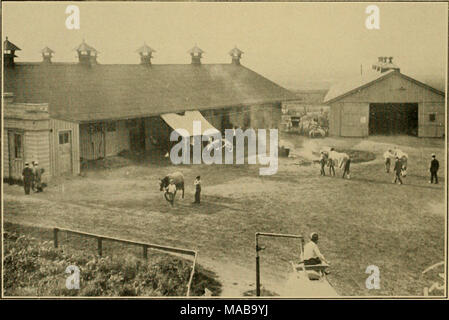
[
  {"x": 105, "y": 92},
  {"x": 345, "y": 88}
]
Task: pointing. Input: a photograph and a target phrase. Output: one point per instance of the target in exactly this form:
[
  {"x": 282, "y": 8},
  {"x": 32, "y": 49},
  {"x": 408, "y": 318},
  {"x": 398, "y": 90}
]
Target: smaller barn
[
  {"x": 30, "y": 134},
  {"x": 385, "y": 103}
]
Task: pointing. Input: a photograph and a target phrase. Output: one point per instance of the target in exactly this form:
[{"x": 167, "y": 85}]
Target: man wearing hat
[
  {"x": 37, "y": 177},
  {"x": 434, "y": 166},
  {"x": 27, "y": 174},
  {"x": 312, "y": 254},
  {"x": 397, "y": 171},
  {"x": 197, "y": 184}
]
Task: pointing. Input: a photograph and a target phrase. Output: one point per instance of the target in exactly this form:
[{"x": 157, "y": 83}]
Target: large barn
[
  {"x": 98, "y": 110},
  {"x": 386, "y": 102}
]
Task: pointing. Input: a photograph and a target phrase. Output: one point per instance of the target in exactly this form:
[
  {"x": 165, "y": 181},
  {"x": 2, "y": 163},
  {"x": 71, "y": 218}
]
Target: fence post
[
  {"x": 257, "y": 267},
  {"x": 100, "y": 246},
  {"x": 145, "y": 252},
  {"x": 55, "y": 237}
]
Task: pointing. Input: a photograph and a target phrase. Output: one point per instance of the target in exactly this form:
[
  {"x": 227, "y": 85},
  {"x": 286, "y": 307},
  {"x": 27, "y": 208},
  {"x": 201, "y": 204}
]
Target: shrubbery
[{"x": 33, "y": 267}]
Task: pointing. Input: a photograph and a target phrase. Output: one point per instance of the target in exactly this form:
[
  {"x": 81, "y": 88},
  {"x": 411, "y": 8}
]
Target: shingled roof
[{"x": 105, "y": 92}]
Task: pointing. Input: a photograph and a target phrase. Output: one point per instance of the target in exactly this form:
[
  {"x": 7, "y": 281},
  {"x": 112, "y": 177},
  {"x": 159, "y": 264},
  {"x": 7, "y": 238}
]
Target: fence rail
[{"x": 144, "y": 246}]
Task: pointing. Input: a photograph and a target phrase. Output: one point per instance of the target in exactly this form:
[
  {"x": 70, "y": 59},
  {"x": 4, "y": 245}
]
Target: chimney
[
  {"x": 47, "y": 54},
  {"x": 146, "y": 53},
  {"x": 9, "y": 50},
  {"x": 385, "y": 64},
  {"x": 236, "y": 55},
  {"x": 196, "y": 54},
  {"x": 87, "y": 55}
]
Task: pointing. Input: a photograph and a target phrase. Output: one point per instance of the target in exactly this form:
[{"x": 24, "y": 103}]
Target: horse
[{"x": 178, "y": 180}]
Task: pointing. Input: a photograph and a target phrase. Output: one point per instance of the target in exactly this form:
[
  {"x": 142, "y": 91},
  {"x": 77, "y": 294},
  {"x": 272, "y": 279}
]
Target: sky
[{"x": 298, "y": 45}]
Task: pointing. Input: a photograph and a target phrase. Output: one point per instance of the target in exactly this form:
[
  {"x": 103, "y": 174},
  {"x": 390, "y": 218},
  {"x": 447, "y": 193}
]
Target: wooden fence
[{"x": 144, "y": 246}]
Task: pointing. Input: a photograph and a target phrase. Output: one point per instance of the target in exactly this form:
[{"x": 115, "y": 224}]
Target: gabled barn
[
  {"x": 106, "y": 109},
  {"x": 385, "y": 103}
]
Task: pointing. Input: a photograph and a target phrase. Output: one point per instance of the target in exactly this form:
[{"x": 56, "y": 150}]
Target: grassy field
[{"x": 363, "y": 221}]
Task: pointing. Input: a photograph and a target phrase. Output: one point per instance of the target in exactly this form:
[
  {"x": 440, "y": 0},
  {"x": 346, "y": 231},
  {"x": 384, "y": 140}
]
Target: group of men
[
  {"x": 330, "y": 158},
  {"x": 400, "y": 165},
  {"x": 32, "y": 177}
]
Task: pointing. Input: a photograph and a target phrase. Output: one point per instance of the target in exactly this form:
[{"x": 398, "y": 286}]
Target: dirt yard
[{"x": 363, "y": 221}]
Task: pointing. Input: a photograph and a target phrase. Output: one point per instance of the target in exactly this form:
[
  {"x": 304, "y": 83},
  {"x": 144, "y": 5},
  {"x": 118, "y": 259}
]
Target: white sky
[{"x": 297, "y": 45}]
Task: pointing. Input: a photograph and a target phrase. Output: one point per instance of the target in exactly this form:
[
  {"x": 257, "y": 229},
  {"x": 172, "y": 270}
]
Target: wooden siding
[
  {"x": 57, "y": 126},
  {"x": 122, "y": 137},
  {"x": 98, "y": 144},
  {"x": 92, "y": 144},
  {"x": 354, "y": 120},
  {"x": 5, "y": 148},
  {"x": 37, "y": 148},
  {"x": 335, "y": 119},
  {"x": 35, "y": 145},
  {"x": 394, "y": 89},
  {"x": 426, "y": 127}
]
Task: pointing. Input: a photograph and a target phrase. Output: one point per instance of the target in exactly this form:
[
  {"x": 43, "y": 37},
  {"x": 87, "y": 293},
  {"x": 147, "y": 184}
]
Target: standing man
[
  {"x": 37, "y": 177},
  {"x": 323, "y": 160},
  {"x": 27, "y": 174},
  {"x": 170, "y": 192},
  {"x": 33, "y": 181},
  {"x": 434, "y": 166},
  {"x": 331, "y": 161},
  {"x": 197, "y": 184},
  {"x": 387, "y": 156},
  {"x": 397, "y": 170},
  {"x": 346, "y": 164}
]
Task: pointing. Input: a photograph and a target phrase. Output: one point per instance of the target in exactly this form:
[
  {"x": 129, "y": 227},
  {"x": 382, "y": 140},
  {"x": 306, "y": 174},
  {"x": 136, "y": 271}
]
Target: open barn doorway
[{"x": 393, "y": 118}]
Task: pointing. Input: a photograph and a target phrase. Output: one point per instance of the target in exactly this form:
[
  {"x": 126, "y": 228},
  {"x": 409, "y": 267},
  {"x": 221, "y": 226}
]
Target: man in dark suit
[
  {"x": 397, "y": 171},
  {"x": 434, "y": 166},
  {"x": 28, "y": 175}
]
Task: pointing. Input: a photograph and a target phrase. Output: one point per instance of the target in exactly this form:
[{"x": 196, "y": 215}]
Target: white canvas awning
[{"x": 186, "y": 122}]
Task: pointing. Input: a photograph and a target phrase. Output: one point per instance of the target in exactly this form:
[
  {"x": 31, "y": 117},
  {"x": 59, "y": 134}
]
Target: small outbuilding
[
  {"x": 385, "y": 103},
  {"x": 30, "y": 134}
]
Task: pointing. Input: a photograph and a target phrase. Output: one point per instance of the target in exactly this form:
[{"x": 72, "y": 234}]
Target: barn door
[
  {"x": 97, "y": 139},
  {"x": 65, "y": 152},
  {"x": 16, "y": 154}
]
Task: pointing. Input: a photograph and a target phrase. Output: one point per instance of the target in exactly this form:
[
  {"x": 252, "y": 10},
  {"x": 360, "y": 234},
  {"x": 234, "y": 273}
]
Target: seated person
[{"x": 312, "y": 255}]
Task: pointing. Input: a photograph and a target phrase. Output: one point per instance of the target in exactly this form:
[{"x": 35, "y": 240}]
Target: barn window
[
  {"x": 18, "y": 146},
  {"x": 111, "y": 126},
  {"x": 63, "y": 137},
  {"x": 432, "y": 117}
]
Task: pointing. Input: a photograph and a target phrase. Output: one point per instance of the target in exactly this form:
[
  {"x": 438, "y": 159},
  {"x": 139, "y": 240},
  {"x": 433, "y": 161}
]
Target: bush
[{"x": 33, "y": 267}]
